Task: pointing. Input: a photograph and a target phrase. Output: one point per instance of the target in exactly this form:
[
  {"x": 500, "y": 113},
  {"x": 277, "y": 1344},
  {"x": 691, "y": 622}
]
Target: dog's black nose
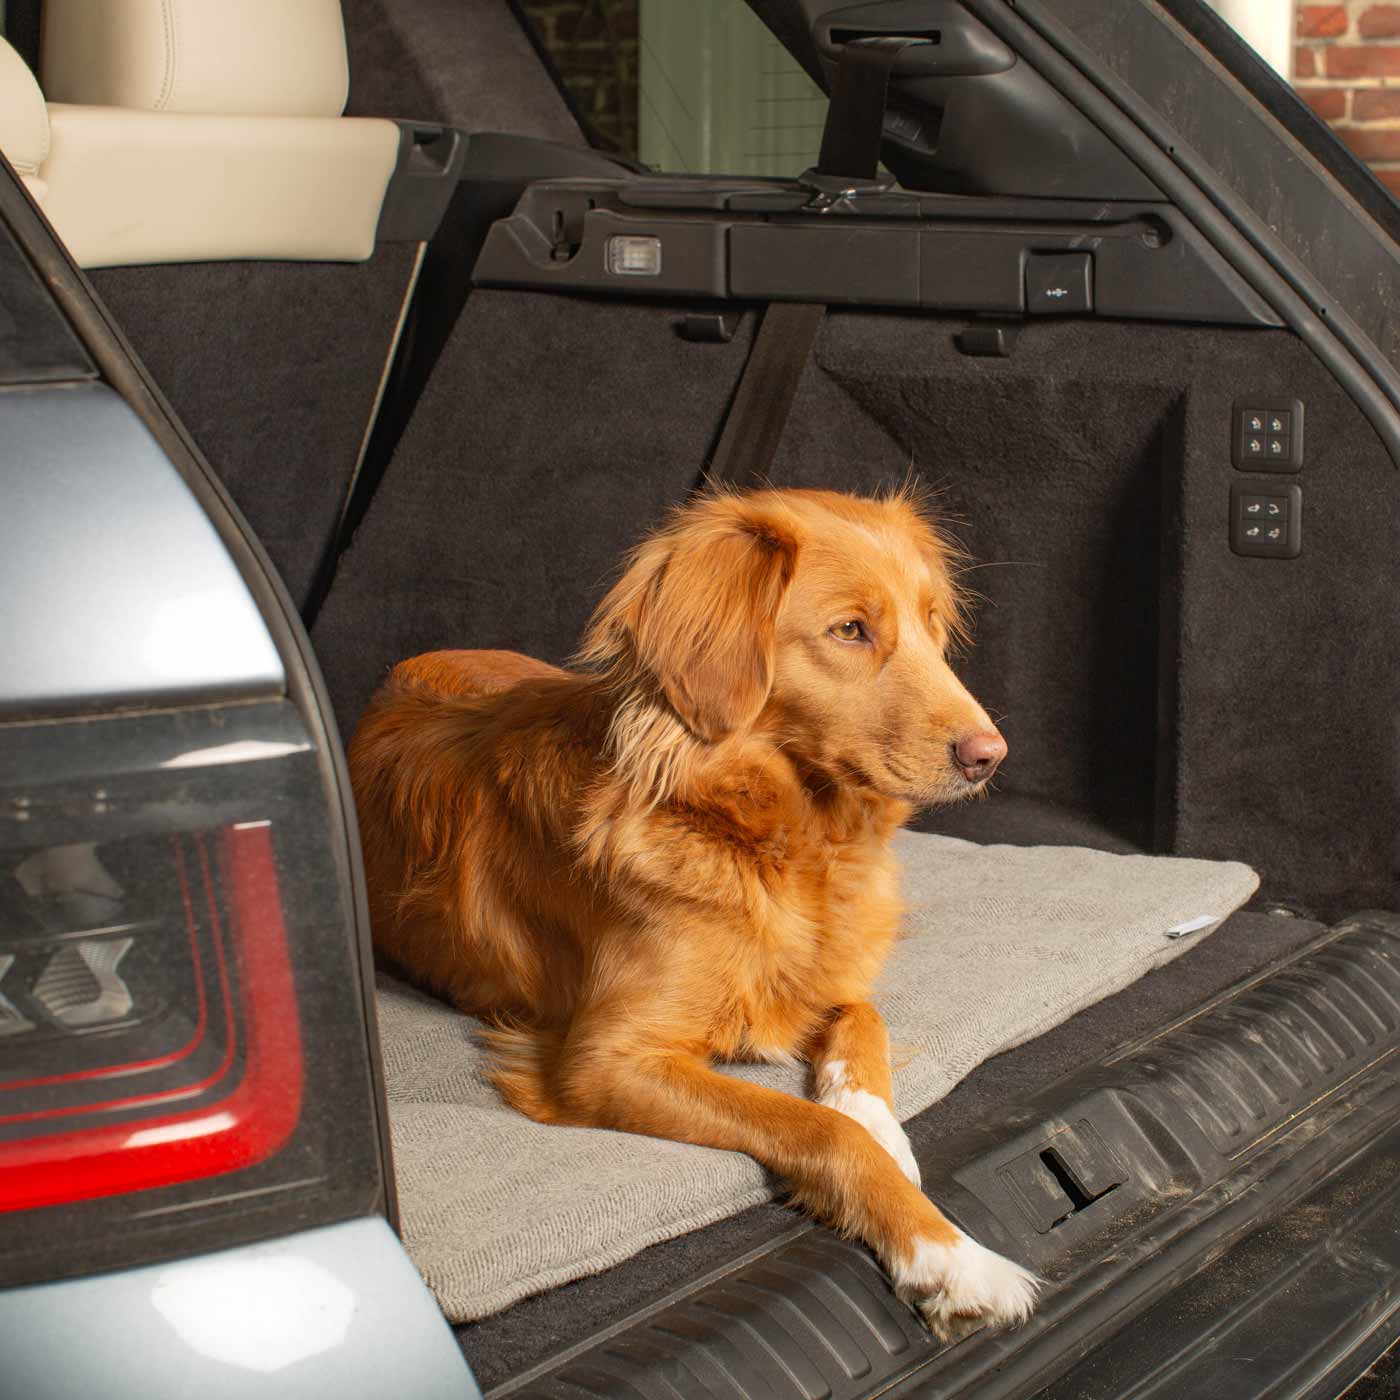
[{"x": 978, "y": 755}]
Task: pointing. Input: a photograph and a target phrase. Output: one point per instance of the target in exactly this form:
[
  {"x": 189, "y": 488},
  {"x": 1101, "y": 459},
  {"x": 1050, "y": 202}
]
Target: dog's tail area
[{"x": 524, "y": 1060}]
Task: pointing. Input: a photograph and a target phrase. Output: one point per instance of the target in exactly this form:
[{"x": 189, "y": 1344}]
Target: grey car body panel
[
  {"x": 129, "y": 596},
  {"x": 338, "y": 1311}
]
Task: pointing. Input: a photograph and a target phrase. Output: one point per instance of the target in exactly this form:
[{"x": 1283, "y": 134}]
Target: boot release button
[{"x": 1058, "y": 283}]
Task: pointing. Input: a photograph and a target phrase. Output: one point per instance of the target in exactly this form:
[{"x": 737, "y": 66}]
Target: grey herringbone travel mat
[{"x": 1001, "y": 944}]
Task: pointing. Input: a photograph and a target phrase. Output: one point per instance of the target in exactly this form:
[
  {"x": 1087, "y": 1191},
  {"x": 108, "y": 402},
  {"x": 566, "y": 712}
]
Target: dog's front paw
[
  {"x": 963, "y": 1286},
  {"x": 870, "y": 1111}
]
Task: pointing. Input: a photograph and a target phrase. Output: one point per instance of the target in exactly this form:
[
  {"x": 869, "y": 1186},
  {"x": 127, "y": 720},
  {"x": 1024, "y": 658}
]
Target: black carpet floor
[{"x": 503, "y": 1346}]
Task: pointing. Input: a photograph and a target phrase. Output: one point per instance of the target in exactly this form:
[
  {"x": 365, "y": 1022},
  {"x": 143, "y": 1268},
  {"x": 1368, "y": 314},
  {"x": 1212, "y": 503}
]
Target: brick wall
[
  {"x": 1346, "y": 65},
  {"x": 594, "y": 42}
]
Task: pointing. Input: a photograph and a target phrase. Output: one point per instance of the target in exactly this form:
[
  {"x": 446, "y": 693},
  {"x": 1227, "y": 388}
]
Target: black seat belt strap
[
  {"x": 787, "y": 335},
  {"x": 855, "y": 121},
  {"x": 763, "y": 401}
]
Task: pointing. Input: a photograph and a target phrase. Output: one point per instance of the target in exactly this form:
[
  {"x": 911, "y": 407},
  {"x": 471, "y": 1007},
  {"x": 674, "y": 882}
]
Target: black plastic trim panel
[
  {"x": 1207, "y": 1129},
  {"x": 424, "y": 180},
  {"x": 760, "y": 241},
  {"x": 1252, "y": 246},
  {"x": 964, "y": 115},
  {"x": 1231, "y": 115}
]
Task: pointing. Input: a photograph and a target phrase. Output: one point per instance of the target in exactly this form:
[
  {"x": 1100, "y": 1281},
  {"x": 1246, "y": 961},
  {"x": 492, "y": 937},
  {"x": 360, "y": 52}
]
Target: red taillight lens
[
  {"x": 185, "y": 1062},
  {"x": 157, "y": 1041}
]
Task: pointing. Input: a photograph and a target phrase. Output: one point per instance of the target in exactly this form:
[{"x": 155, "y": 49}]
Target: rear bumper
[{"x": 337, "y": 1311}]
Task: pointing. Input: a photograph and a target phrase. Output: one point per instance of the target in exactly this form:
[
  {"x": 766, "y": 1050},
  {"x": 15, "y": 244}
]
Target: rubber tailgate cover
[{"x": 1219, "y": 1122}]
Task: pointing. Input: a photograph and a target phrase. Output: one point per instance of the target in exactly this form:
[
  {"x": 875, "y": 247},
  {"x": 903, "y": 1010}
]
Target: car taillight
[
  {"x": 185, "y": 1062},
  {"x": 158, "y": 1044}
]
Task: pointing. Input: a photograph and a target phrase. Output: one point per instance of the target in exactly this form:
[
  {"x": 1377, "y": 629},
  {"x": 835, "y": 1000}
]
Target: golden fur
[{"x": 679, "y": 852}]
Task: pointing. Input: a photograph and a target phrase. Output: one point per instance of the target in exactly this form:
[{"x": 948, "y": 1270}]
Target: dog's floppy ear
[{"x": 698, "y": 609}]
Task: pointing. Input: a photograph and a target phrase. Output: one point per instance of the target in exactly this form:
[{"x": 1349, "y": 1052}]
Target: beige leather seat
[
  {"x": 196, "y": 130},
  {"x": 24, "y": 121}
]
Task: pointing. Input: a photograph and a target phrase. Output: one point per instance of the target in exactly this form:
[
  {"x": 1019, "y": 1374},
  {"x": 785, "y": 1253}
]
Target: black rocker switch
[
  {"x": 1266, "y": 519},
  {"x": 1267, "y": 435}
]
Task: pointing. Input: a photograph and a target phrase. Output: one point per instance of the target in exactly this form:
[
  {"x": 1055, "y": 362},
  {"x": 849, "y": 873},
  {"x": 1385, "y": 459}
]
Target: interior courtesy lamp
[{"x": 631, "y": 255}]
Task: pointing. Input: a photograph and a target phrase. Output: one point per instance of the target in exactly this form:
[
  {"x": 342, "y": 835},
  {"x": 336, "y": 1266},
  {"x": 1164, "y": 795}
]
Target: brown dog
[{"x": 681, "y": 852}]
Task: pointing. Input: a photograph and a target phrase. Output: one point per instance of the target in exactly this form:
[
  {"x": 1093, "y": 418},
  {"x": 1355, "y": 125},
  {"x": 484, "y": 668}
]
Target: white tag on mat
[{"x": 1192, "y": 925}]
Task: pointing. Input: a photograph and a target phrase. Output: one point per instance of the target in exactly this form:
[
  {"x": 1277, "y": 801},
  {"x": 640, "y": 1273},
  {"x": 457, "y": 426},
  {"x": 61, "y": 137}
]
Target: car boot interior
[
  {"x": 1084, "y": 475},
  {"x": 557, "y": 429},
  {"x": 1160, "y": 692}
]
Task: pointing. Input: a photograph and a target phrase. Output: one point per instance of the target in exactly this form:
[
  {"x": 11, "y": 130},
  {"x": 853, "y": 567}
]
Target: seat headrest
[
  {"x": 233, "y": 57},
  {"x": 24, "y": 119}
]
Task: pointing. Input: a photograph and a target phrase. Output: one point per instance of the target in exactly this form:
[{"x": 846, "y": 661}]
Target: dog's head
[{"x": 821, "y": 620}]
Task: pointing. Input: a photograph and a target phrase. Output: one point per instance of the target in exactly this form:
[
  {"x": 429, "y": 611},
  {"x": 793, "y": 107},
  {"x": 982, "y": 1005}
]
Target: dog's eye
[{"x": 849, "y": 631}]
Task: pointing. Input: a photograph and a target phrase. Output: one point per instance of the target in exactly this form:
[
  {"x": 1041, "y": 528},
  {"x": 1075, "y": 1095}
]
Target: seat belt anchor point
[{"x": 836, "y": 191}]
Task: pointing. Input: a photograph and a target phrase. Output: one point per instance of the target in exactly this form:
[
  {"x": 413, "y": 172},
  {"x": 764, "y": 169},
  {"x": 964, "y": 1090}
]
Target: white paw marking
[
  {"x": 870, "y": 1111},
  {"x": 963, "y": 1286}
]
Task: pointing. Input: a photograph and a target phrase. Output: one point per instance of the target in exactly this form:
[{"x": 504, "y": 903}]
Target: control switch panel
[
  {"x": 1266, "y": 519},
  {"x": 1267, "y": 435}
]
